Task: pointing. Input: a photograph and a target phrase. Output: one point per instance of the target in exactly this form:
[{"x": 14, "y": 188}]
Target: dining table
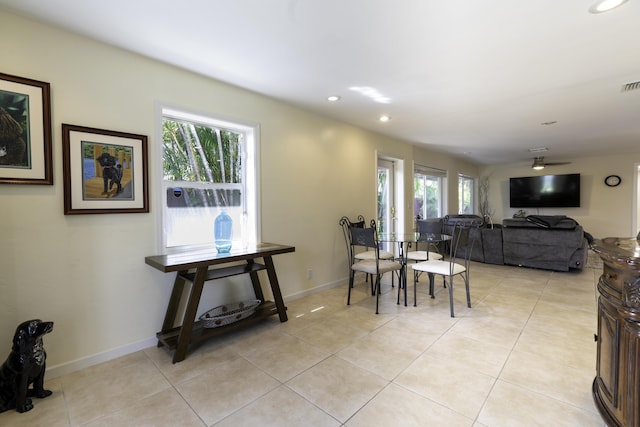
[{"x": 404, "y": 242}]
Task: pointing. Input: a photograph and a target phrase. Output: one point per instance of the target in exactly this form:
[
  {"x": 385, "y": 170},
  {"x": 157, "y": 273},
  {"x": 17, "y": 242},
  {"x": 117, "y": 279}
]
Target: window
[
  {"x": 209, "y": 166},
  {"x": 428, "y": 187},
  {"x": 465, "y": 194}
]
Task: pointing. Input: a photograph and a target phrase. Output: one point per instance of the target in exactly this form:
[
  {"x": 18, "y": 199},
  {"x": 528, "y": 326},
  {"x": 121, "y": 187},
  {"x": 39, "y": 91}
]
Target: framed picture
[
  {"x": 104, "y": 171},
  {"x": 25, "y": 131}
]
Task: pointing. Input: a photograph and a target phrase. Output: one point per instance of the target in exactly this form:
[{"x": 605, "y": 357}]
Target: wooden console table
[{"x": 193, "y": 266}]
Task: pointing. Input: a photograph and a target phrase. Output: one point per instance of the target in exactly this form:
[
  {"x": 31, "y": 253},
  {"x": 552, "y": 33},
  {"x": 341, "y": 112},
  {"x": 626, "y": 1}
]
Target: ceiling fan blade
[
  {"x": 556, "y": 163},
  {"x": 539, "y": 163}
]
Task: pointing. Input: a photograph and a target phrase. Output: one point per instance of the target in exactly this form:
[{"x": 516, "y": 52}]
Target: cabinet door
[
  {"x": 608, "y": 356},
  {"x": 630, "y": 370}
]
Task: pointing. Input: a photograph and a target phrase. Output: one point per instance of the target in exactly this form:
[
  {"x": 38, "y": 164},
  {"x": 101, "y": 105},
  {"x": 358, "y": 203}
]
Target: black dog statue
[{"x": 24, "y": 366}]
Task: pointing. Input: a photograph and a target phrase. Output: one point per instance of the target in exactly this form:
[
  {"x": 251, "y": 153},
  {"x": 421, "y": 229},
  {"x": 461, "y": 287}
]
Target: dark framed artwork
[
  {"x": 25, "y": 131},
  {"x": 104, "y": 171}
]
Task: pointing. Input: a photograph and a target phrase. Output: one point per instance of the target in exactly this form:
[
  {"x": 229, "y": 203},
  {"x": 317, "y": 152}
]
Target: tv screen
[{"x": 548, "y": 191}]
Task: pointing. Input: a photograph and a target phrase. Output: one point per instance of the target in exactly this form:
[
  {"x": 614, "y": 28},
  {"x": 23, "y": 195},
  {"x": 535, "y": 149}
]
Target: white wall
[
  {"x": 604, "y": 211},
  {"x": 87, "y": 273}
]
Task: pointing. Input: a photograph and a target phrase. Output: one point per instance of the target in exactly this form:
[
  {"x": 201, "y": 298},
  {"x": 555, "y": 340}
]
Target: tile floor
[{"x": 524, "y": 355}]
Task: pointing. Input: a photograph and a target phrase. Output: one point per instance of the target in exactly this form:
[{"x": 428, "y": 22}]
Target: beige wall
[
  {"x": 604, "y": 211},
  {"x": 87, "y": 272}
]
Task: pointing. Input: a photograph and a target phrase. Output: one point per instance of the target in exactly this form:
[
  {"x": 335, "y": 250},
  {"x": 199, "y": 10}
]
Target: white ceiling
[{"x": 476, "y": 79}]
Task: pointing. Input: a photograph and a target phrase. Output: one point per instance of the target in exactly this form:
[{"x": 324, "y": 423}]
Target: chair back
[
  {"x": 346, "y": 224},
  {"x": 462, "y": 242},
  {"x": 363, "y": 236},
  {"x": 366, "y": 237},
  {"x": 430, "y": 226}
]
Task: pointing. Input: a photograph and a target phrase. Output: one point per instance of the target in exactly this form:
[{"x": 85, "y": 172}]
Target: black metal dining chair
[
  {"x": 358, "y": 254},
  {"x": 460, "y": 248},
  {"x": 426, "y": 227},
  {"x": 368, "y": 237}
]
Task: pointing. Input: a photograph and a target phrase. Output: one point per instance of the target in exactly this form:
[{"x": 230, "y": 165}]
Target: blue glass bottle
[{"x": 222, "y": 232}]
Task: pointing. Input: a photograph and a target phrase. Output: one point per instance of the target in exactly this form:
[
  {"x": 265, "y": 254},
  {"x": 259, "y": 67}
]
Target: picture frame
[
  {"x": 104, "y": 171},
  {"x": 25, "y": 131}
]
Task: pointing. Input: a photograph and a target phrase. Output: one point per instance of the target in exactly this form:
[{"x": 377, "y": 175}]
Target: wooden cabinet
[{"x": 616, "y": 388}]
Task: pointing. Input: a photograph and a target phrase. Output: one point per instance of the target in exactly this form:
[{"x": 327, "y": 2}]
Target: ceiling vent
[{"x": 631, "y": 86}]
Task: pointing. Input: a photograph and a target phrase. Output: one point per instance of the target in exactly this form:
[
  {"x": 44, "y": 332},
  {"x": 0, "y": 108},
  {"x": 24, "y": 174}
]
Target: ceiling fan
[{"x": 539, "y": 163}]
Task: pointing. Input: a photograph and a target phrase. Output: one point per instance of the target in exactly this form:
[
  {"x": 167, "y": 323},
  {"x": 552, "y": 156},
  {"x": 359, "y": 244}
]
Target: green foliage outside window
[{"x": 202, "y": 154}]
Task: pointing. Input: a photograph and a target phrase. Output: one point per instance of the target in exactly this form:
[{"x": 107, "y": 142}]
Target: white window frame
[{"x": 251, "y": 155}]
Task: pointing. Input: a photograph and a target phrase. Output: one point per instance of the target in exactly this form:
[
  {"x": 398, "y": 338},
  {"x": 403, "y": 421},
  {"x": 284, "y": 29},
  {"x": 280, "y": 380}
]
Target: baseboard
[
  {"x": 315, "y": 290},
  {"x": 85, "y": 362}
]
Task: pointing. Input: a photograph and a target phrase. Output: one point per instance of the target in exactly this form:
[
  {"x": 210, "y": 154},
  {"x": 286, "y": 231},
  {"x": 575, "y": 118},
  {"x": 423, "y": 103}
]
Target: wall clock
[{"x": 612, "y": 180}]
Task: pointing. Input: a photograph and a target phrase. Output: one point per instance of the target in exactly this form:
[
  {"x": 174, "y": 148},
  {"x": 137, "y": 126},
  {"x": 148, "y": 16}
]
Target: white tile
[
  {"x": 514, "y": 406},
  {"x": 338, "y": 387},
  {"x": 280, "y": 408},
  {"x": 396, "y": 406}
]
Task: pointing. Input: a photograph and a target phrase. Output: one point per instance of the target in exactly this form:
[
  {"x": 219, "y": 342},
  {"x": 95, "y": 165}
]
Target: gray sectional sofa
[
  {"x": 547, "y": 242},
  {"x": 552, "y": 243}
]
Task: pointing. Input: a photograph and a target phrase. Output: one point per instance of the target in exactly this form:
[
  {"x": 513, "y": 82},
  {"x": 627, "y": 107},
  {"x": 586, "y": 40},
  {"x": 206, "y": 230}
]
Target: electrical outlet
[{"x": 309, "y": 274}]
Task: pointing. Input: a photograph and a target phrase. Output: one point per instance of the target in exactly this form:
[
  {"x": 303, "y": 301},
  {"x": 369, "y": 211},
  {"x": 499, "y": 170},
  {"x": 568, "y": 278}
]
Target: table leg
[
  {"x": 189, "y": 316},
  {"x": 174, "y": 303},
  {"x": 255, "y": 282},
  {"x": 275, "y": 288},
  {"x": 403, "y": 271}
]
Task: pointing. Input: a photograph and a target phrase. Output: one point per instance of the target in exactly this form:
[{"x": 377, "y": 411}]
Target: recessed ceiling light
[
  {"x": 333, "y": 98},
  {"x": 384, "y": 118},
  {"x": 605, "y": 5}
]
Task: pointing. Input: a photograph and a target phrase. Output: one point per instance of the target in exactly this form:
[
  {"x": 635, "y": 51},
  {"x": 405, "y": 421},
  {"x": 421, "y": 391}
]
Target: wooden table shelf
[
  {"x": 199, "y": 333},
  {"x": 220, "y": 273},
  {"x": 194, "y": 266}
]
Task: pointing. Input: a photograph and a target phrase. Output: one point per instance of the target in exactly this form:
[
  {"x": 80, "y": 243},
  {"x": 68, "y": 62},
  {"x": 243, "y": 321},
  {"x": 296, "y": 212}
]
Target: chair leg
[
  {"x": 466, "y": 284},
  {"x": 377, "y": 291},
  {"x": 415, "y": 287},
  {"x": 451, "y": 294},
  {"x": 351, "y": 274}
]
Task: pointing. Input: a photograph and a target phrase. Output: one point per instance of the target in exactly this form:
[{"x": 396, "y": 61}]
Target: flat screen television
[{"x": 548, "y": 191}]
